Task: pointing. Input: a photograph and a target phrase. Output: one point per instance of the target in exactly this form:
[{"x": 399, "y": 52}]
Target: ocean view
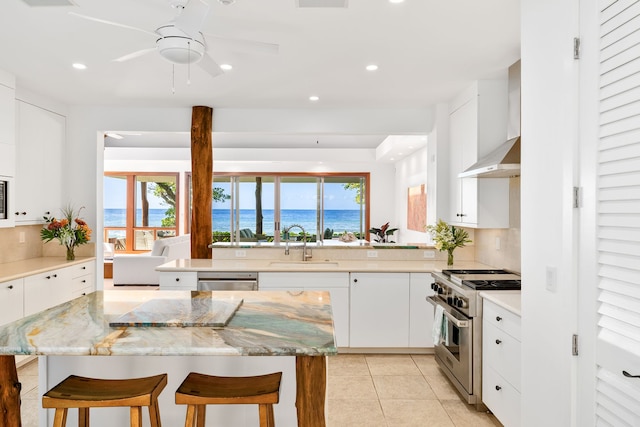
[{"x": 338, "y": 220}]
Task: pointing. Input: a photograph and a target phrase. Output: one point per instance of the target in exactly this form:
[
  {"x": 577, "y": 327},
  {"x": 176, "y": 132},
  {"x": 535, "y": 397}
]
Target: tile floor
[{"x": 362, "y": 390}]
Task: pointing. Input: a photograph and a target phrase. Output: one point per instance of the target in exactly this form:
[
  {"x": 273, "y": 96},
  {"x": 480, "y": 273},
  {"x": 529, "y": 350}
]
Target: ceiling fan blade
[
  {"x": 192, "y": 17},
  {"x": 116, "y": 24},
  {"x": 243, "y": 45},
  {"x": 210, "y": 66},
  {"x": 134, "y": 54}
]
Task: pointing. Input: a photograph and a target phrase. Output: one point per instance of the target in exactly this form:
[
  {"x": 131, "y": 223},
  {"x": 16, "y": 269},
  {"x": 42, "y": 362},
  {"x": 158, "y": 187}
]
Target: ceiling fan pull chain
[{"x": 173, "y": 79}]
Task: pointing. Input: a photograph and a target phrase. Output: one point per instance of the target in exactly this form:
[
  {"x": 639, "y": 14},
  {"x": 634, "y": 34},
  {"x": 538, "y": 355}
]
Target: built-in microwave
[{"x": 6, "y": 189}]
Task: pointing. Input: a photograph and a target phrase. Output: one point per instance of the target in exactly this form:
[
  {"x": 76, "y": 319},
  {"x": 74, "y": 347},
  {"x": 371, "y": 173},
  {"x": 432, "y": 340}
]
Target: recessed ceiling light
[
  {"x": 372, "y": 67},
  {"x": 226, "y": 67},
  {"x": 396, "y": 1},
  {"x": 314, "y": 98},
  {"x": 79, "y": 66},
  {"x": 399, "y": 154}
]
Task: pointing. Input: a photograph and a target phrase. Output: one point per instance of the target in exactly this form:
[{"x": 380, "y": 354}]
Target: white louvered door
[{"x": 618, "y": 216}]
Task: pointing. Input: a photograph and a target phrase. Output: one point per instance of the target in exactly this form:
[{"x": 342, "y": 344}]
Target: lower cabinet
[
  {"x": 421, "y": 312},
  {"x": 11, "y": 301},
  {"x": 379, "y": 310},
  {"x": 336, "y": 283},
  {"x": 501, "y": 371},
  {"x": 178, "y": 281}
]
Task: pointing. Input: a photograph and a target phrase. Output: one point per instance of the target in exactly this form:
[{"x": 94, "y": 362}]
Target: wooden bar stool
[
  {"x": 84, "y": 393},
  {"x": 199, "y": 390}
]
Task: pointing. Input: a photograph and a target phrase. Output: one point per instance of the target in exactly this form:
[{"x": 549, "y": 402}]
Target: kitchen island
[{"x": 295, "y": 326}]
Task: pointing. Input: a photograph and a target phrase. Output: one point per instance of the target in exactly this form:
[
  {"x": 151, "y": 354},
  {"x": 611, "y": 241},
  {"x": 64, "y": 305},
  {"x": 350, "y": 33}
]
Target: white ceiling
[{"x": 426, "y": 50}]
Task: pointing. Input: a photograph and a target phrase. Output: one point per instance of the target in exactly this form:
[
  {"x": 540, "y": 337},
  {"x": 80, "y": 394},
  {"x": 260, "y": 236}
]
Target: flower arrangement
[
  {"x": 382, "y": 233},
  {"x": 447, "y": 238},
  {"x": 70, "y": 230}
]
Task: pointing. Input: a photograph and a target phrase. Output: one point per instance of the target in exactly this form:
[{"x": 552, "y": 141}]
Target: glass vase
[
  {"x": 449, "y": 256},
  {"x": 71, "y": 254}
]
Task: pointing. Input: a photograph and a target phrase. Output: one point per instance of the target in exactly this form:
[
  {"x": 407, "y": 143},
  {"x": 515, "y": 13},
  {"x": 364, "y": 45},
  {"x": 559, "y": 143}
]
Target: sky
[{"x": 294, "y": 196}]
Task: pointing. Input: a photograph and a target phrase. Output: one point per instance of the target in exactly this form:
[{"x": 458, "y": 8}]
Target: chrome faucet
[{"x": 306, "y": 255}]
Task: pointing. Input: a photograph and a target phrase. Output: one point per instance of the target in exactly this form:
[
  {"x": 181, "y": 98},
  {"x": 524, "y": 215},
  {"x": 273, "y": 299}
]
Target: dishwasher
[{"x": 227, "y": 281}]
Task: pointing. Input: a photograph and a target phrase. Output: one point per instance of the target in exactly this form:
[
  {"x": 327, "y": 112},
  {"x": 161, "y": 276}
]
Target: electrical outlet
[
  {"x": 498, "y": 244},
  {"x": 241, "y": 254},
  {"x": 372, "y": 254},
  {"x": 22, "y": 237},
  {"x": 429, "y": 254}
]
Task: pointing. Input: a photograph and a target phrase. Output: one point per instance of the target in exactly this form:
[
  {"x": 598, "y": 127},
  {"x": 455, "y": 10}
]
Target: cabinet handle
[
  {"x": 84, "y": 267},
  {"x": 628, "y": 375},
  {"x": 177, "y": 279},
  {"x": 84, "y": 293},
  {"x": 355, "y": 280},
  {"x": 498, "y": 318},
  {"x": 47, "y": 213},
  {"x": 10, "y": 286},
  {"x": 498, "y": 342},
  {"x": 55, "y": 275},
  {"x": 20, "y": 213},
  {"x": 48, "y": 277},
  {"x": 84, "y": 281},
  {"x": 498, "y": 388}
]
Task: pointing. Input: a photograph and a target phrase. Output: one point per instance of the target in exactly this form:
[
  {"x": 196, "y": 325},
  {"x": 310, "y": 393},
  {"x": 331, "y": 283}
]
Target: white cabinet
[
  {"x": 379, "y": 310},
  {"x": 501, "y": 368},
  {"x": 420, "y": 310},
  {"x": 178, "y": 281},
  {"x": 336, "y": 283},
  {"x": 477, "y": 125},
  {"x": 44, "y": 290},
  {"x": 83, "y": 278},
  {"x": 39, "y": 156},
  {"x": 7, "y": 130},
  {"x": 11, "y": 301}
]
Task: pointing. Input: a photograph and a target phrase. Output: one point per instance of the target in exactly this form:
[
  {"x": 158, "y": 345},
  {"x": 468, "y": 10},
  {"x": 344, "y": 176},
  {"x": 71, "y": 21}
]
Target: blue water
[{"x": 338, "y": 220}]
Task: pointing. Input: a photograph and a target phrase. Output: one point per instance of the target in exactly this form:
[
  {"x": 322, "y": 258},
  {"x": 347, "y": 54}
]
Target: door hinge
[
  {"x": 574, "y": 345},
  {"x": 576, "y": 48},
  {"x": 577, "y": 197}
]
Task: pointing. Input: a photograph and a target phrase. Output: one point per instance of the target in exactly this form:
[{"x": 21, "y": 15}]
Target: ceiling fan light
[{"x": 180, "y": 50}]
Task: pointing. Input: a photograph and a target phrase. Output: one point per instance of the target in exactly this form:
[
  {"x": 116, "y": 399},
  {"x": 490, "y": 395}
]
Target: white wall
[
  {"x": 549, "y": 150},
  {"x": 409, "y": 172}
]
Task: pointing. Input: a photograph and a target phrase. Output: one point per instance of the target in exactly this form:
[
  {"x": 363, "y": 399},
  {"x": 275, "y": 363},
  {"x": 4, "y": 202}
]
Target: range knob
[
  {"x": 434, "y": 286},
  {"x": 440, "y": 290},
  {"x": 461, "y": 303},
  {"x": 450, "y": 300}
]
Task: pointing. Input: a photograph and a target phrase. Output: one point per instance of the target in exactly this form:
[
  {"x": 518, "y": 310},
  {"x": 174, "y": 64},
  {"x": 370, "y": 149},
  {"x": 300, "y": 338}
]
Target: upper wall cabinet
[
  {"x": 7, "y": 124},
  {"x": 478, "y": 124},
  {"x": 39, "y": 155}
]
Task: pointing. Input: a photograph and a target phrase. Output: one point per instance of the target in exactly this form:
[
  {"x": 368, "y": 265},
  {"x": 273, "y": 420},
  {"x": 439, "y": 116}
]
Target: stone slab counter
[{"x": 509, "y": 300}]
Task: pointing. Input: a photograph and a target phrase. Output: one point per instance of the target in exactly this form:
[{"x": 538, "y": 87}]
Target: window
[
  {"x": 139, "y": 208},
  {"x": 253, "y": 207}
]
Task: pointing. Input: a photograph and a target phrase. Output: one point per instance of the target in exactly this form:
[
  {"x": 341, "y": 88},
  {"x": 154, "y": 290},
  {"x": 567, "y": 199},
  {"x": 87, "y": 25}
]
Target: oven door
[{"x": 456, "y": 355}]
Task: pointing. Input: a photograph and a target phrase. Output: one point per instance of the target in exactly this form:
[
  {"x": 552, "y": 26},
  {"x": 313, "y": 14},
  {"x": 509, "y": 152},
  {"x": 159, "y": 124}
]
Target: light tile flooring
[{"x": 363, "y": 390}]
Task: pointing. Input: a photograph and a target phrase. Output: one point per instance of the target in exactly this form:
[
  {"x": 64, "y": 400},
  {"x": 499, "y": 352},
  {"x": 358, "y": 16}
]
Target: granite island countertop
[
  {"x": 264, "y": 265},
  {"x": 268, "y": 323}
]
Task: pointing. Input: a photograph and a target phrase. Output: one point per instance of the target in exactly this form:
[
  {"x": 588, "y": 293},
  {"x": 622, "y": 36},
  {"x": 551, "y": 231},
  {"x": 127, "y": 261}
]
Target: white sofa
[{"x": 140, "y": 269}]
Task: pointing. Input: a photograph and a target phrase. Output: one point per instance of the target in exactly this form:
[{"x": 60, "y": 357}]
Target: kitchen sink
[{"x": 304, "y": 264}]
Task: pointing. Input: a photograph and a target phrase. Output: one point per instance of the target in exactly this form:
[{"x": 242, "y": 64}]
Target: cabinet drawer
[
  {"x": 187, "y": 281},
  {"x": 501, "y": 318},
  {"x": 501, "y": 352},
  {"x": 11, "y": 301},
  {"x": 87, "y": 268},
  {"x": 501, "y": 398},
  {"x": 303, "y": 280},
  {"x": 82, "y": 282}
]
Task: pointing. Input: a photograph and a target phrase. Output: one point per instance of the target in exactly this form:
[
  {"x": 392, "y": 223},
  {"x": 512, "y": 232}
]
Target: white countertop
[
  {"x": 27, "y": 267},
  {"x": 509, "y": 300},
  {"x": 261, "y": 265}
]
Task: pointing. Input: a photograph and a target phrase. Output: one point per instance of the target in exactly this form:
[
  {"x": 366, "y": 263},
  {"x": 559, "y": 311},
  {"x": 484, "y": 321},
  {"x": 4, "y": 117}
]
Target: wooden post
[
  {"x": 311, "y": 387},
  {"x": 202, "y": 181},
  {"x": 9, "y": 393}
]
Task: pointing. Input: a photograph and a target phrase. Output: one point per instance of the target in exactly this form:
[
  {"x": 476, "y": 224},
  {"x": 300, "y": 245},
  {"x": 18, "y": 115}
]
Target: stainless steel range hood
[{"x": 504, "y": 161}]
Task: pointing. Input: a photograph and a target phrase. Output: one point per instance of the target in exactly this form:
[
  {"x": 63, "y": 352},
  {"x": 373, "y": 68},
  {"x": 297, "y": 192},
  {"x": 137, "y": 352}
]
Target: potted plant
[{"x": 382, "y": 234}]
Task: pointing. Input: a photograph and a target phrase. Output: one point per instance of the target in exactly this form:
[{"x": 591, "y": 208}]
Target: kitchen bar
[{"x": 275, "y": 323}]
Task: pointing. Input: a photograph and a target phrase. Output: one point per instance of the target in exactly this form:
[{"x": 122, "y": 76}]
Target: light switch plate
[
  {"x": 241, "y": 254},
  {"x": 552, "y": 279},
  {"x": 372, "y": 254},
  {"x": 429, "y": 254}
]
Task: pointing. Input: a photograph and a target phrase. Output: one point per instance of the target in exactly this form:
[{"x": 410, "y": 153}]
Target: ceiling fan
[{"x": 181, "y": 41}]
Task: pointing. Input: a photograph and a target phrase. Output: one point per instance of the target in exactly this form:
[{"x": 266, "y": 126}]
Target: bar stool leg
[
  {"x": 190, "y": 420},
  {"x": 201, "y": 411},
  {"x": 136, "y": 416},
  {"x": 60, "y": 419},
  {"x": 83, "y": 417},
  {"x": 266, "y": 415},
  {"x": 154, "y": 415}
]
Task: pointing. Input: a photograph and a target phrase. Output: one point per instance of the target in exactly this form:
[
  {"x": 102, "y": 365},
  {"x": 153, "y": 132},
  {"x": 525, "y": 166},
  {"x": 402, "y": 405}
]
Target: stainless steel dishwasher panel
[{"x": 227, "y": 281}]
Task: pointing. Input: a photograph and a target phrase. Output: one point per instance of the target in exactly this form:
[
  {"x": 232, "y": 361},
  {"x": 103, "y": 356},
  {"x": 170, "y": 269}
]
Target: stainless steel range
[{"x": 458, "y": 350}]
